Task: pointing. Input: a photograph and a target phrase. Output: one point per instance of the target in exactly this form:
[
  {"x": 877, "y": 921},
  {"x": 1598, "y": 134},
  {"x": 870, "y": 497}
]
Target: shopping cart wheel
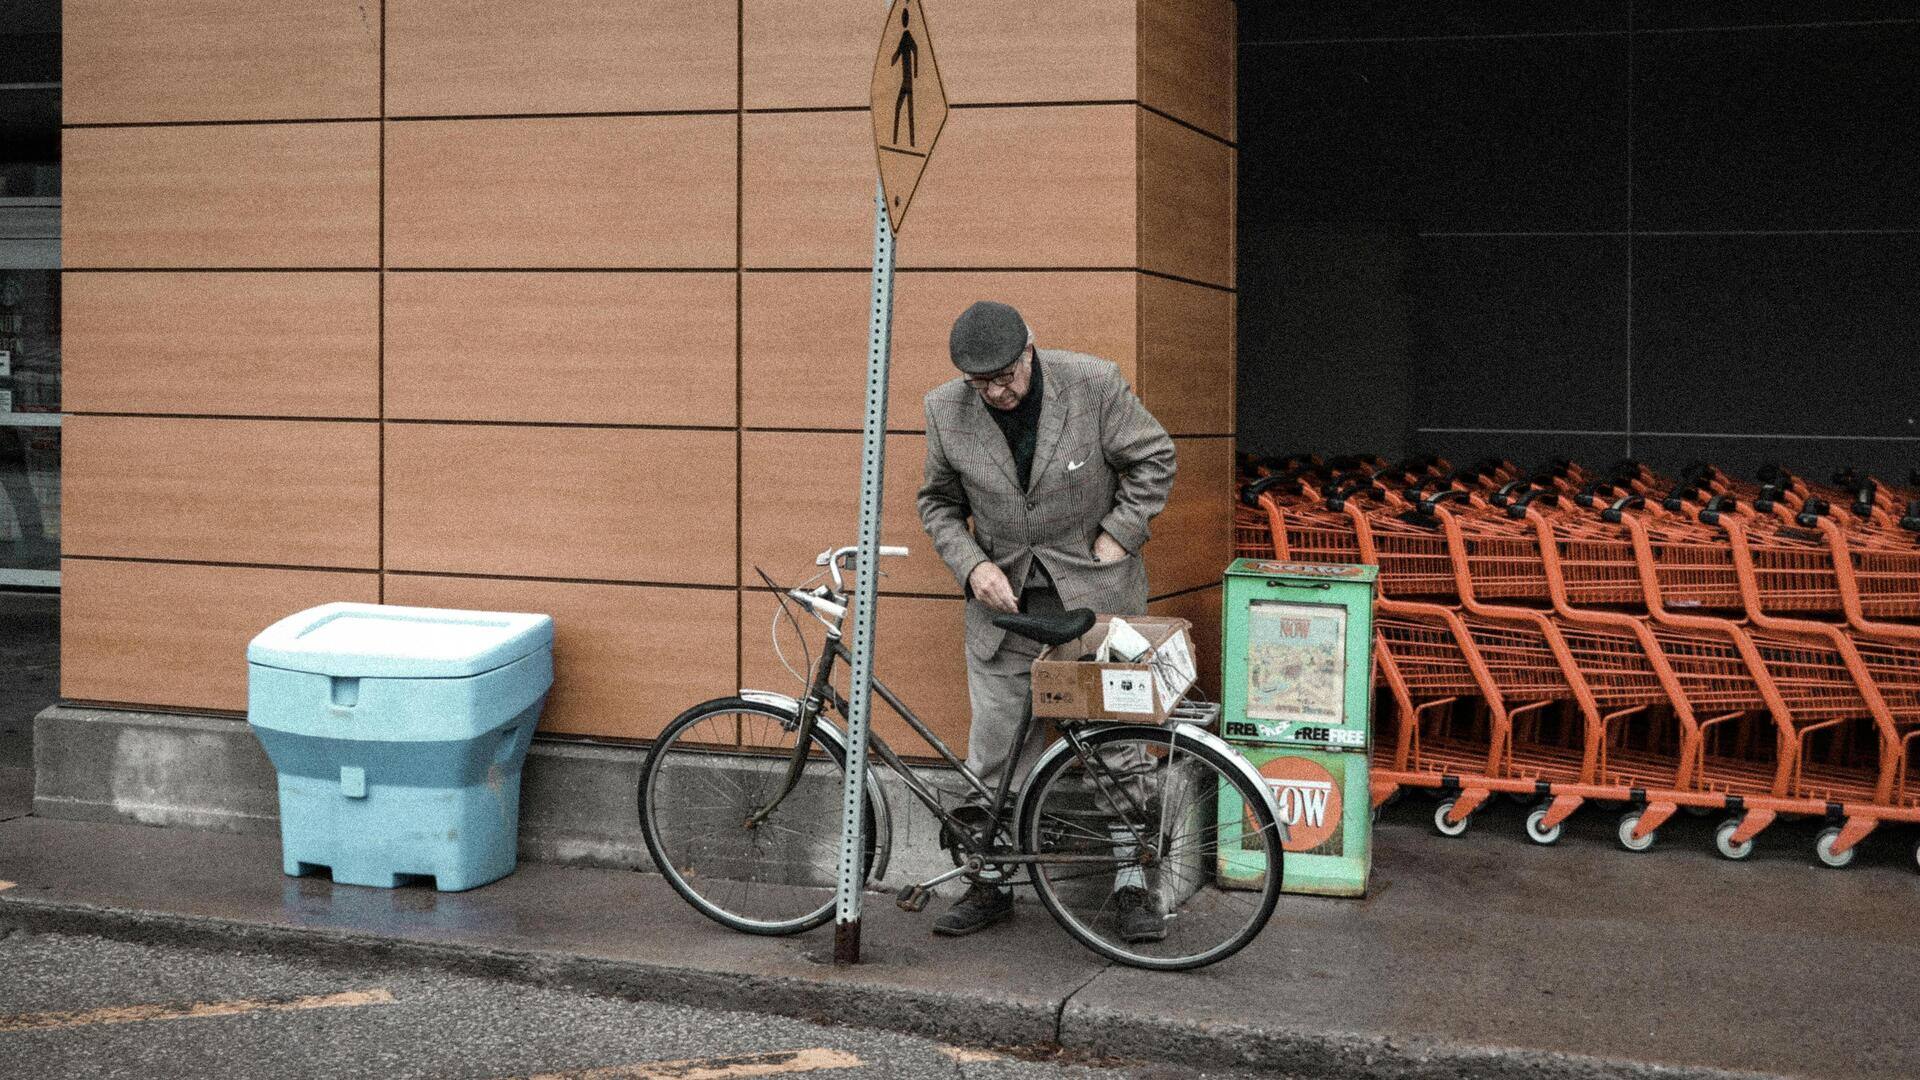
[
  {"x": 1630, "y": 821},
  {"x": 1723, "y": 841},
  {"x": 1539, "y": 835},
  {"x": 1448, "y": 828},
  {"x": 1823, "y": 847}
]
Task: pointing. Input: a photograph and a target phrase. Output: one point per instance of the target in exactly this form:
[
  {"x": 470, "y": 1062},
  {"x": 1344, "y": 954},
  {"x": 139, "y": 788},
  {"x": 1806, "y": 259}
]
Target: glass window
[
  {"x": 29, "y": 292},
  {"x": 29, "y": 421}
]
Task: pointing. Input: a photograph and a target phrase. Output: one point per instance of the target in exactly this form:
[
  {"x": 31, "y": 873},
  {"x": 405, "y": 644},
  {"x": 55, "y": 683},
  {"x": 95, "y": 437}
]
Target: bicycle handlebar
[
  {"x": 836, "y": 559},
  {"x": 817, "y": 602}
]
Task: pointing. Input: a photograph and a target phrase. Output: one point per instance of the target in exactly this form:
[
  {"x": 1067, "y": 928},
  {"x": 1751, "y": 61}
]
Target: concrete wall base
[{"x": 577, "y": 800}]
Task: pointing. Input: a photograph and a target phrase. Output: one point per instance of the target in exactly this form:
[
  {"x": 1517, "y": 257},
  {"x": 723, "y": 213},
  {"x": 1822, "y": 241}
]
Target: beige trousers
[{"x": 1001, "y": 689}]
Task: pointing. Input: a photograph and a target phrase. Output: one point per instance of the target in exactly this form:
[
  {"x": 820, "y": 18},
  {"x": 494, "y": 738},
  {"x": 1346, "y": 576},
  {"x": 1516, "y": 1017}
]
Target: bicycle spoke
[
  {"x": 773, "y": 877},
  {"x": 1126, "y": 794}
]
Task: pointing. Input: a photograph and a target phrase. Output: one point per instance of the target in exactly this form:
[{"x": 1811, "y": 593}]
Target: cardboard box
[{"x": 1068, "y": 688}]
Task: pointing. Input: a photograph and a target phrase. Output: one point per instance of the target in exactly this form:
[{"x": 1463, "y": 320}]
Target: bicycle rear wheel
[
  {"x": 1140, "y": 811},
  {"x": 712, "y": 769}
]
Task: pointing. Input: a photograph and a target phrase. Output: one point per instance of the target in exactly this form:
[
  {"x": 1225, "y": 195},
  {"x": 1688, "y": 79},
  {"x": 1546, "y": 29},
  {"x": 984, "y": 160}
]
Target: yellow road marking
[
  {"x": 968, "y": 1056},
  {"x": 718, "y": 1068},
  {"x": 128, "y": 1014}
]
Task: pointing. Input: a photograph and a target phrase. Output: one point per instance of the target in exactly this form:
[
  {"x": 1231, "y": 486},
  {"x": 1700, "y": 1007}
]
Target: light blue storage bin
[{"x": 399, "y": 734}]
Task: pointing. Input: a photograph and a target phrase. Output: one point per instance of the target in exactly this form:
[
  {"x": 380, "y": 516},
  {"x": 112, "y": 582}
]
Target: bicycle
[{"x": 740, "y": 801}]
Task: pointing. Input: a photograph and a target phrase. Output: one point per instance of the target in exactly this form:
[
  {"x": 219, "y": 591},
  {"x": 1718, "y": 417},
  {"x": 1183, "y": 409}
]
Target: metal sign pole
[{"x": 846, "y": 930}]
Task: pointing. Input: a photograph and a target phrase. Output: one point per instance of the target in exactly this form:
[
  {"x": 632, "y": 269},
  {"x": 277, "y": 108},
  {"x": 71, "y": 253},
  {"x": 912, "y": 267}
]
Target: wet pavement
[
  {"x": 1485, "y": 955},
  {"x": 74, "y": 1006}
]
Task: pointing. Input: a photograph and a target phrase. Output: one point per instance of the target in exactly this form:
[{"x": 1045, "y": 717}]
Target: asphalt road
[{"x": 81, "y": 1007}]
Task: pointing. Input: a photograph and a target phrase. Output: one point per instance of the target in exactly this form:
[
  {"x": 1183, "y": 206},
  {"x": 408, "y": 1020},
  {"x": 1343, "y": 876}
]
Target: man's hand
[
  {"x": 1106, "y": 549},
  {"x": 990, "y": 587}
]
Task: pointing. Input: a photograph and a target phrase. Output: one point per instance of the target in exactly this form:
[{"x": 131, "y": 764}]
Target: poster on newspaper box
[{"x": 1296, "y": 662}]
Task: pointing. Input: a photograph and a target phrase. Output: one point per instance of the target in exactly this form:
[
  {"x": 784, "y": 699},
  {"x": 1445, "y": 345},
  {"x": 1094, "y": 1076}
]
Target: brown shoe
[
  {"x": 983, "y": 906},
  {"x": 1138, "y": 917}
]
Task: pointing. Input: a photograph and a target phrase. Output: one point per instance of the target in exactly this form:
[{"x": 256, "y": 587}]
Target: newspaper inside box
[{"x": 1068, "y": 688}]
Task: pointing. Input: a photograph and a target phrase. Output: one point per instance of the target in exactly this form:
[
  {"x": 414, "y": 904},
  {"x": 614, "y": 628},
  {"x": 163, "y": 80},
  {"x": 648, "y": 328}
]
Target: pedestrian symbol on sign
[
  {"x": 907, "y": 55},
  {"x": 906, "y": 87}
]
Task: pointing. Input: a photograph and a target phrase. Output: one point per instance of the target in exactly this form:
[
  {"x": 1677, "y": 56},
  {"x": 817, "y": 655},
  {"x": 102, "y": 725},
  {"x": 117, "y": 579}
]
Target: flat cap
[{"x": 987, "y": 337}]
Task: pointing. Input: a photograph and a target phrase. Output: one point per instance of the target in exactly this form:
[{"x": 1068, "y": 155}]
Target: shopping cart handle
[
  {"x": 1686, "y": 489},
  {"x": 1591, "y": 493},
  {"x": 1419, "y": 463},
  {"x": 1863, "y": 499},
  {"x": 1423, "y": 514},
  {"x": 1719, "y": 504},
  {"x": 1612, "y": 514},
  {"x": 1418, "y": 487},
  {"x": 1252, "y": 492},
  {"x": 1505, "y": 495},
  {"x": 1365, "y": 489},
  {"x": 1811, "y": 512},
  {"x": 1519, "y": 508},
  {"x": 1910, "y": 521}
]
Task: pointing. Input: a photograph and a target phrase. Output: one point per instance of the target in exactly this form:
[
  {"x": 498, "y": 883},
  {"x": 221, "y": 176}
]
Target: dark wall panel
[
  {"x": 1778, "y": 129},
  {"x": 1795, "y": 335},
  {"x": 1485, "y": 134},
  {"x": 1532, "y": 230},
  {"x": 1521, "y": 332},
  {"x": 1274, "y": 20},
  {"x": 1701, "y": 14},
  {"x": 1892, "y": 460},
  {"x": 1531, "y": 451},
  {"x": 1324, "y": 339}
]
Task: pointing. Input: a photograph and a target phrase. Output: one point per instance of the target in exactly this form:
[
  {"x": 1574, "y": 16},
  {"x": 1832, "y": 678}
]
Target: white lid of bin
[{"x": 379, "y": 641}]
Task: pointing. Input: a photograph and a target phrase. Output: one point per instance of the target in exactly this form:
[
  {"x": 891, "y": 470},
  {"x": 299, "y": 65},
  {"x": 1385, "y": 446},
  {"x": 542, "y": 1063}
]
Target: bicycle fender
[
  {"x": 1245, "y": 768},
  {"x": 1181, "y": 733},
  {"x": 876, "y": 795}
]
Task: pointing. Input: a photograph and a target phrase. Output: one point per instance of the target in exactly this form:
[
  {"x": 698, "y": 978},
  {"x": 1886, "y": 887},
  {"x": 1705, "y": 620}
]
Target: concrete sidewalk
[{"x": 1485, "y": 956}]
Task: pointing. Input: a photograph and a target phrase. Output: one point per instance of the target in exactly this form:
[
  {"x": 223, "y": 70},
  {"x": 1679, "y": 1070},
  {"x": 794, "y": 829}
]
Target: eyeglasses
[{"x": 1004, "y": 378}]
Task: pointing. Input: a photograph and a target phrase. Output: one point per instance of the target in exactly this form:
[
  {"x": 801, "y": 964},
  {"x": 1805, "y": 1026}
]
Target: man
[{"x": 1060, "y": 468}]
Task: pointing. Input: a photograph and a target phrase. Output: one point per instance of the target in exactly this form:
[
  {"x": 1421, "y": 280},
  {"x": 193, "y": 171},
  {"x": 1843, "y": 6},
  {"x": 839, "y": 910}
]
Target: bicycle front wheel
[
  {"x": 709, "y": 775},
  {"x": 1136, "y": 820}
]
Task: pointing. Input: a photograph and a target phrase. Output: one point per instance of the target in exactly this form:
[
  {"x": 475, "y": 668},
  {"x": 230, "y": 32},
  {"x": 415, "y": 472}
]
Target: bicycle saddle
[{"x": 1056, "y": 628}]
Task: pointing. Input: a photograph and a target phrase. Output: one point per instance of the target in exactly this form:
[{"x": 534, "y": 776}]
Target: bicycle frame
[{"x": 821, "y": 693}]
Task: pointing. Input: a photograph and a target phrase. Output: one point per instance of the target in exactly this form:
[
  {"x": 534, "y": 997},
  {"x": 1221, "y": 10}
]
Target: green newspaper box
[{"x": 1297, "y": 699}]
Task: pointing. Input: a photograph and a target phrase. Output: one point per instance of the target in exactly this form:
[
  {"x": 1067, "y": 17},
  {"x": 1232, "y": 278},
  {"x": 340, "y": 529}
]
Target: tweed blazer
[{"x": 1100, "y": 462}]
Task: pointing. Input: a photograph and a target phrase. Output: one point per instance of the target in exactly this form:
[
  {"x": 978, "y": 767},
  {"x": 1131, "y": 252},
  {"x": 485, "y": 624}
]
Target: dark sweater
[{"x": 1021, "y": 426}]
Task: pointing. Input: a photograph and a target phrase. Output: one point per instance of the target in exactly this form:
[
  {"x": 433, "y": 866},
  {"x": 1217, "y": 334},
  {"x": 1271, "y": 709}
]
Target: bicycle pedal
[{"x": 913, "y": 897}]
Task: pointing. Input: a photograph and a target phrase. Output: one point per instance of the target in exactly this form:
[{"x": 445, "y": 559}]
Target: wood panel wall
[{"x": 442, "y": 302}]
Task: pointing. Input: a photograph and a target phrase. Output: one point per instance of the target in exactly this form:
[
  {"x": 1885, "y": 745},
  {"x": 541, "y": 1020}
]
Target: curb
[
  {"x": 954, "y": 1018},
  {"x": 1330, "y": 1053},
  {"x": 948, "y": 1017}
]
